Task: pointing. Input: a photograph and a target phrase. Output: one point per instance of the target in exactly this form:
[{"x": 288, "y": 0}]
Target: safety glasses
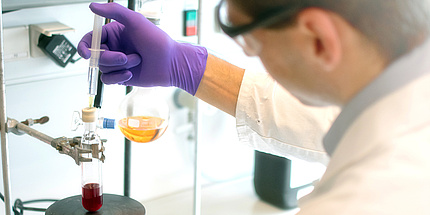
[{"x": 242, "y": 34}]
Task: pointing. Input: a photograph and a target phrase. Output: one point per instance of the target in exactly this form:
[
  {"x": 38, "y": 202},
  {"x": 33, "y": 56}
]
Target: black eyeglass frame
[{"x": 269, "y": 18}]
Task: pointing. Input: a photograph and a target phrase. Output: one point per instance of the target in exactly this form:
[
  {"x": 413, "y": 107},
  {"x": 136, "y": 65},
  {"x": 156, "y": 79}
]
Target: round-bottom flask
[
  {"x": 144, "y": 115},
  {"x": 91, "y": 172}
]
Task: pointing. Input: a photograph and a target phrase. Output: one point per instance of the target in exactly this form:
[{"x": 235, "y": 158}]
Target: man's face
[
  {"x": 286, "y": 57},
  {"x": 287, "y": 61}
]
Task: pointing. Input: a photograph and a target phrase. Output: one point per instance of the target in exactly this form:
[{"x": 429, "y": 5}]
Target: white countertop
[{"x": 227, "y": 198}]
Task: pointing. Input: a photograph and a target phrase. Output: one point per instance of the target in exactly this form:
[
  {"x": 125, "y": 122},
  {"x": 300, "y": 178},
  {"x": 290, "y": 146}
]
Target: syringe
[{"x": 93, "y": 71}]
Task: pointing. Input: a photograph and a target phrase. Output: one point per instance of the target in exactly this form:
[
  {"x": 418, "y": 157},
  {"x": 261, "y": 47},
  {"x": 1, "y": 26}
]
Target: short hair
[{"x": 395, "y": 26}]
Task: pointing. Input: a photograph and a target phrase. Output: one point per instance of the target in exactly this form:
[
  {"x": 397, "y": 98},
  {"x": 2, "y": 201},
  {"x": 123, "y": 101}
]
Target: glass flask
[
  {"x": 91, "y": 172},
  {"x": 144, "y": 115}
]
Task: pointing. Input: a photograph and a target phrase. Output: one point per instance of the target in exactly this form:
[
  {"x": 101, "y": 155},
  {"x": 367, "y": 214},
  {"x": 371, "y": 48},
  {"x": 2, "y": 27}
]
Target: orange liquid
[{"x": 142, "y": 129}]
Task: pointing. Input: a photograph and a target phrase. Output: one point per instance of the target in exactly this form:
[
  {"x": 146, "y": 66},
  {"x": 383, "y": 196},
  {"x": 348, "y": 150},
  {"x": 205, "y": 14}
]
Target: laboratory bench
[{"x": 225, "y": 198}]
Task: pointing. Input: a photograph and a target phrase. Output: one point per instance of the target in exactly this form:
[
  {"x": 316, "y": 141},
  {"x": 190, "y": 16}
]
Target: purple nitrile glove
[{"x": 138, "y": 53}]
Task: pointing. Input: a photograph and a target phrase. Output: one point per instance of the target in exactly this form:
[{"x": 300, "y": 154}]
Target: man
[{"x": 367, "y": 57}]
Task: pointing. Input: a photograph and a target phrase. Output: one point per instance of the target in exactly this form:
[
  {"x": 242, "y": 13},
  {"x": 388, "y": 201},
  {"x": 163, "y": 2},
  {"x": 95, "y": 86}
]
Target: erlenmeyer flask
[{"x": 144, "y": 115}]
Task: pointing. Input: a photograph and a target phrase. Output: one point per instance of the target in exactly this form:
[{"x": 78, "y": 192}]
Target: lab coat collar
[{"x": 398, "y": 74}]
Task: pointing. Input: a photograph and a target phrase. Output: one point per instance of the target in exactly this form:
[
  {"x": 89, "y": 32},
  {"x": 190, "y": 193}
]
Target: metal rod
[
  {"x": 132, "y": 5},
  {"x": 127, "y": 166},
  {"x": 197, "y": 170},
  {"x": 127, "y": 157},
  {"x": 34, "y": 133},
  {"x": 3, "y": 126},
  {"x": 98, "y": 99},
  {"x": 127, "y": 143}
]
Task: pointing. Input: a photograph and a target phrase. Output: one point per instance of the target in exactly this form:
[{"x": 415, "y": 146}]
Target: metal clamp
[{"x": 64, "y": 145}]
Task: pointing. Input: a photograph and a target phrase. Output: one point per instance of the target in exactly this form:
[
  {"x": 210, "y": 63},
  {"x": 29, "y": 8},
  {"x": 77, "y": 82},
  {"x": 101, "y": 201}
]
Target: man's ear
[{"x": 323, "y": 37}]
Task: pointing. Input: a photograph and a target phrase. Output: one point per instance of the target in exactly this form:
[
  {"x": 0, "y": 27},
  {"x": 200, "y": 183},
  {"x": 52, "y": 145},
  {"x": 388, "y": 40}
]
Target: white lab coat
[
  {"x": 271, "y": 120},
  {"x": 381, "y": 164}
]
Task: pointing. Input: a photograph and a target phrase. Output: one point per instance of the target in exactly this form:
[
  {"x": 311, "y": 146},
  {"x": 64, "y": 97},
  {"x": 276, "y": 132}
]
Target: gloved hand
[{"x": 138, "y": 53}]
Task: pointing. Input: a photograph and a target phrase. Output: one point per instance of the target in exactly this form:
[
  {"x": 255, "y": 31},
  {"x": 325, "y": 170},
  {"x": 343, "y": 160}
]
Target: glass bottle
[
  {"x": 144, "y": 115},
  {"x": 91, "y": 172}
]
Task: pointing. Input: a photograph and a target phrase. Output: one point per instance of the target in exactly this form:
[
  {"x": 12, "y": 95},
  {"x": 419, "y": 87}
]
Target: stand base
[{"x": 112, "y": 205}]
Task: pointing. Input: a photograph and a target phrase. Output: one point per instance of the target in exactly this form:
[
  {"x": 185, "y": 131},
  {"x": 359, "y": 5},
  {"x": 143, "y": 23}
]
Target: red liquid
[{"x": 92, "y": 198}]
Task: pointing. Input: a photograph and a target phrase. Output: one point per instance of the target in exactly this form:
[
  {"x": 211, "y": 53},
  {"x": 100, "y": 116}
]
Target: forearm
[{"x": 220, "y": 84}]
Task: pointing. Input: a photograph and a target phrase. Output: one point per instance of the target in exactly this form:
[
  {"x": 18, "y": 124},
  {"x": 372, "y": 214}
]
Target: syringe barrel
[
  {"x": 93, "y": 71},
  {"x": 96, "y": 41}
]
